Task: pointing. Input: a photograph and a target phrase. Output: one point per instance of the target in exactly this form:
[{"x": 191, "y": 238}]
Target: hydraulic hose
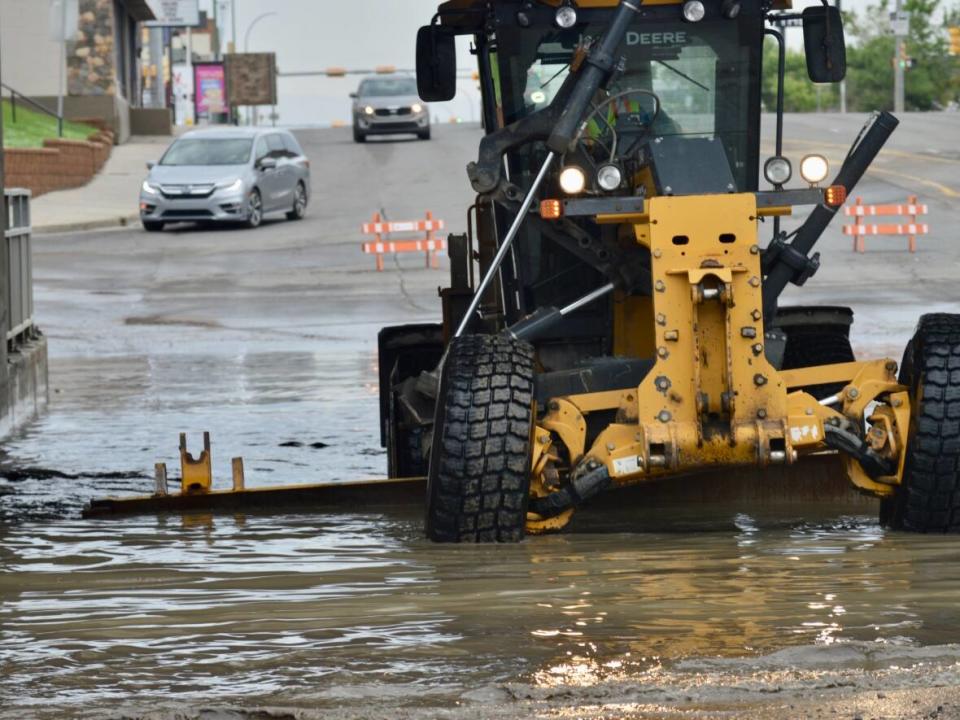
[
  {"x": 597, "y": 68},
  {"x": 872, "y": 138}
]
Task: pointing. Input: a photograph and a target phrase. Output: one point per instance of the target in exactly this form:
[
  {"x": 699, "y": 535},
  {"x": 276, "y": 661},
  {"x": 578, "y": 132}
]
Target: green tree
[
  {"x": 800, "y": 94},
  {"x": 930, "y": 84}
]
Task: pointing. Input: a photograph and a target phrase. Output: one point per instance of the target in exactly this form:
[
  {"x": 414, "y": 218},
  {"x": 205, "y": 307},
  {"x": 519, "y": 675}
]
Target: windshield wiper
[{"x": 683, "y": 75}]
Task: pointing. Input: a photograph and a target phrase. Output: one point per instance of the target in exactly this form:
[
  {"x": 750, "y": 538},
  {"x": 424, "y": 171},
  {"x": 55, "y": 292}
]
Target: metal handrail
[{"x": 33, "y": 104}]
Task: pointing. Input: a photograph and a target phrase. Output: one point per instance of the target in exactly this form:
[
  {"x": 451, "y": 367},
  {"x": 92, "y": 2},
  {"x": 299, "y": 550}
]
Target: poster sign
[
  {"x": 174, "y": 13},
  {"x": 182, "y": 94},
  {"x": 251, "y": 79},
  {"x": 210, "y": 90}
]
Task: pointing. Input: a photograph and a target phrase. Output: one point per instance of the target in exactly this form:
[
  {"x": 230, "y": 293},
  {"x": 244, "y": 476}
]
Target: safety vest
[{"x": 626, "y": 104}]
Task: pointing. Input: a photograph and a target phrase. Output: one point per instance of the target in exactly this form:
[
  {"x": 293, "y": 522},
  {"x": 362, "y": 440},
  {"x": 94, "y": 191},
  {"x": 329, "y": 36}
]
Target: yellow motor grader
[{"x": 612, "y": 316}]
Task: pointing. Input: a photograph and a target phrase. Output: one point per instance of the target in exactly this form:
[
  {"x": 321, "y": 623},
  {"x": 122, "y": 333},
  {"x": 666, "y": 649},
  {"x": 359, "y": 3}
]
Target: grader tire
[
  {"x": 479, "y": 476},
  {"x": 928, "y": 500},
  {"x": 817, "y": 336}
]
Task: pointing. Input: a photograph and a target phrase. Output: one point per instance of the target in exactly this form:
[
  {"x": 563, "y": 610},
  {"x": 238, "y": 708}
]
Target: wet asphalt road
[{"x": 267, "y": 339}]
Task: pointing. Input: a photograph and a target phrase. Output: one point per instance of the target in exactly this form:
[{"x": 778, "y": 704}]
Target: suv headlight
[{"x": 417, "y": 108}]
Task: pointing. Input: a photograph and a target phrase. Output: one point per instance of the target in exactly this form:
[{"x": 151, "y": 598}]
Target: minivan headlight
[
  {"x": 149, "y": 189},
  {"x": 235, "y": 186}
]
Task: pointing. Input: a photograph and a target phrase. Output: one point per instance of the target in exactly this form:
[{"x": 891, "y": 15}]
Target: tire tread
[
  {"x": 928, "y": 500},
  {"x": 478, "y": 475}
]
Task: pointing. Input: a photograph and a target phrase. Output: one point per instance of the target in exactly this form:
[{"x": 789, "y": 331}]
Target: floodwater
[{"x": 356, "y": 615}]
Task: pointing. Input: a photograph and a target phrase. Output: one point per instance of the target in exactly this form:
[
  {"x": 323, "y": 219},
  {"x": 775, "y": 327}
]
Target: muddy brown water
[
  {"x": 268, "y": 341},
  {"x": 356, "y": 615}
]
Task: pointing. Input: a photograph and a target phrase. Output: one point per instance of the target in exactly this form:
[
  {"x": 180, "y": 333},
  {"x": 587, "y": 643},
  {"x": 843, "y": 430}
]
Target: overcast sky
[{"x": 316, "y": 34}]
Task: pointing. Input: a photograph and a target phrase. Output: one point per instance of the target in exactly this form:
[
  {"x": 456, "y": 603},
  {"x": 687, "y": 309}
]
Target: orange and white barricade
[
  {"x": 861, "y": 227},
  {"x": 382, "y": 229}
]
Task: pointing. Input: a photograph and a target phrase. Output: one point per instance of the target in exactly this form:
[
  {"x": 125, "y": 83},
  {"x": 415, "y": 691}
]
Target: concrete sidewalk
[{"x": 110, "y": 199}]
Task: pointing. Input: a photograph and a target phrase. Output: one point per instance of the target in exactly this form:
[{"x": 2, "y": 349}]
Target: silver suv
[
  {"x": 389, "y": 106},
  {"x": 226, "y": 175}
]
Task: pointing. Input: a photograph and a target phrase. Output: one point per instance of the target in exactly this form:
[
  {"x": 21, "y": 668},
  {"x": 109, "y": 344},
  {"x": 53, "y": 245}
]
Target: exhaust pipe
[{"x": 793, "y": 258}]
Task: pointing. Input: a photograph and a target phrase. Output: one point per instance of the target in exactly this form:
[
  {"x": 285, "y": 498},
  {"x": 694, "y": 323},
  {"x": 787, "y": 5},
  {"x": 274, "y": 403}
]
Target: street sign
[
  {"x": 251, "y": 78},
  {"x": 174, "y": 13},
  {"x": 64, "y": 19},
  {"x": 900, "y": 23}
]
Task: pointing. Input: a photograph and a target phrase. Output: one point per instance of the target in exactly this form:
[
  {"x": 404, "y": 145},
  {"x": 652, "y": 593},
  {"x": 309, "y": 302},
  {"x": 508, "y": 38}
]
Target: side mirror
[
  {"x": 824, "y": 44},
  {"x": 267, "y": 163},
  {"x": 150, "y": 165},
  {"x": 436, "y": 64},
  {"x": 353, "y": 96}
]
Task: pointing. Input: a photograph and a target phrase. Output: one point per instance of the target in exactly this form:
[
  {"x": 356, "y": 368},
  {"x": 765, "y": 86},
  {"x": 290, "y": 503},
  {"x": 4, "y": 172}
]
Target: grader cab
[{"x": 613, "y": 314}]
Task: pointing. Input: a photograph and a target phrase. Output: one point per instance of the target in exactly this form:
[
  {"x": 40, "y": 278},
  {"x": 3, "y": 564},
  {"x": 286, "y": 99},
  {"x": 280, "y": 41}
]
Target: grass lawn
[{"x": 32, "y": 127}]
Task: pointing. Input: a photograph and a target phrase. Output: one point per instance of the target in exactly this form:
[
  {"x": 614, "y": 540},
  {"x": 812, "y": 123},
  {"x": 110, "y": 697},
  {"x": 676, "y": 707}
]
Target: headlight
[
  {"x": 416, "y": 108},
  {"x": 235, "y": 186},
  {"x": 572, "y": 180},
  {"x": 368, "y": 110},
  {"x": 566, "y": 17},
  {"x": 693, "y": 11},
  {"x": 777, "y": 170},
  {"x": 538, "y": 96},
  {"x": 609, "y": 177},
  {"x": 814, "y": 169},
  {"x": 148, "y": 188}
]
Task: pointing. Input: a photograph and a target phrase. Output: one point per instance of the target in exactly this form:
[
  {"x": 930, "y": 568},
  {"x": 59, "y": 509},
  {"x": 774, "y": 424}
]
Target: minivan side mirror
[
  {"x": 353, "y": 96},
  {"x": 824, "y": 44},
  {"x": 436, "y": 64},
  {"x": 267, "y": 163},
  {"x": 150, "y": 165}
]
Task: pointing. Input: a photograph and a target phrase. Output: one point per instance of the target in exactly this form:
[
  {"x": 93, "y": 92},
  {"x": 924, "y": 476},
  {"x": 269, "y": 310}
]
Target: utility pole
[
  {"x": 63, "y": 60},
  {"x": 843, "y": 83},
  {"x": 216, "y": 33},
  {"x": 899, "y": 32}
]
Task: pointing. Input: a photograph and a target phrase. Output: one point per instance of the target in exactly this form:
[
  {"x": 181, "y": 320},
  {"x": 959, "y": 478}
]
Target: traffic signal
[{"x": 954, "y": 40}]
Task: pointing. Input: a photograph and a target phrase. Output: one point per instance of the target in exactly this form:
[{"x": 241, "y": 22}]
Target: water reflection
[{"x": 304, "y": 608}]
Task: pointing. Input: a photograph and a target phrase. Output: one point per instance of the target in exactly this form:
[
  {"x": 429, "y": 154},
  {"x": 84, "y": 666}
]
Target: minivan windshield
[
  {"x": 208, "y": 151},
  {"x": 388, "y": 87}
]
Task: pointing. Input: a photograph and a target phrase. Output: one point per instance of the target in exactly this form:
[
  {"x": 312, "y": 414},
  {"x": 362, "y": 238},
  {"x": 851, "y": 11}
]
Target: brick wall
[{"x": 59, "y": 165}]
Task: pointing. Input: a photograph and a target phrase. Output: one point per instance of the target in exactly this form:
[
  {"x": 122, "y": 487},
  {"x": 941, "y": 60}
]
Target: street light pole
[
  {"x": 233, "y": 23},
  {"x": 258, "y": 18}
]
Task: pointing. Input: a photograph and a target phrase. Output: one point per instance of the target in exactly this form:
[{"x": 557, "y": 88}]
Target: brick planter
[{"x": 59, "y": 164}]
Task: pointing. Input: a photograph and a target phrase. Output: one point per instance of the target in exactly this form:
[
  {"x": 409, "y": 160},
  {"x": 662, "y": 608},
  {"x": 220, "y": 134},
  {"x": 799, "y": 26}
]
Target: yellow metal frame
[{"x": 712, "y": 398}]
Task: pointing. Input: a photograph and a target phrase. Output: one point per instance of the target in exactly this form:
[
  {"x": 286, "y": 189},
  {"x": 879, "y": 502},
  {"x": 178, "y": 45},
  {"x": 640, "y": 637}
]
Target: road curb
[{"x": 100, "y": 223}]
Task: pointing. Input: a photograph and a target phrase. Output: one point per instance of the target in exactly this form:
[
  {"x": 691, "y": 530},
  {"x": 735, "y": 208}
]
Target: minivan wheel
[
  {"x": 254, "y": 209},
  {"x": 152, "y": 225},
  {"x": 358, "y": 135},
  {"x": 299, "y": 203}
]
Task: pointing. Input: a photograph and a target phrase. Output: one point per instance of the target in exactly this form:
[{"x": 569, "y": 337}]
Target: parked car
[
  {"x": 388, "y": 106},
  {"x": 226, "y": 175}
]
